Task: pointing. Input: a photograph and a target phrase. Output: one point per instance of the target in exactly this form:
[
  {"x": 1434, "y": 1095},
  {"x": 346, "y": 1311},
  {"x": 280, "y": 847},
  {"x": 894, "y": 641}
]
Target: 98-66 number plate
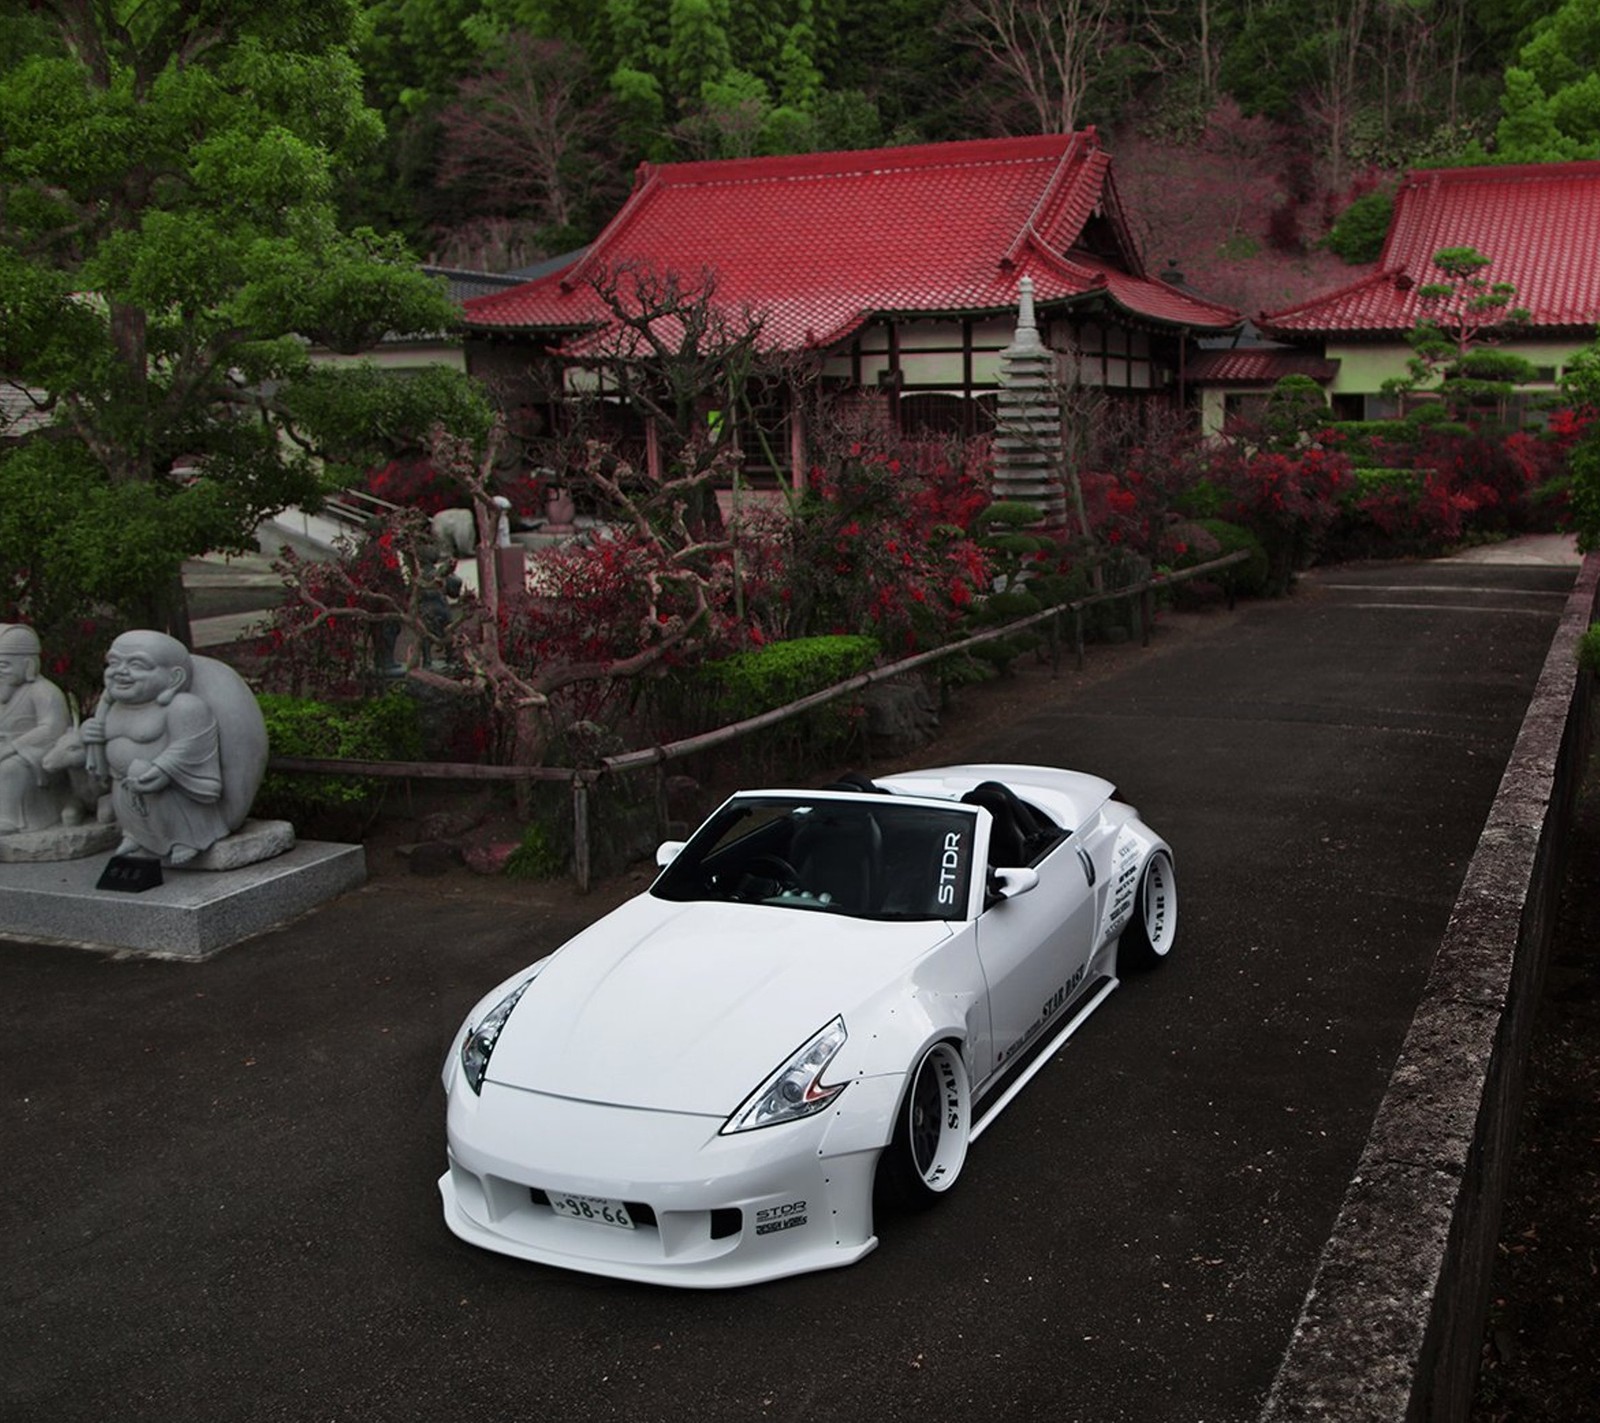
[{"x": 594, "y": 1208}]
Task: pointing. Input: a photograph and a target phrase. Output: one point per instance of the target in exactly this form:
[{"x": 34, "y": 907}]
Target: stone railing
[{"x": 1391, "y": 1328}]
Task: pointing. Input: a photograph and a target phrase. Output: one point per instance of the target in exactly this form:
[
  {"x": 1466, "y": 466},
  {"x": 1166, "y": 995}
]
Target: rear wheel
[
  {"x": 1149, "y": 935},
  {"x": 929, "y": 1146}
]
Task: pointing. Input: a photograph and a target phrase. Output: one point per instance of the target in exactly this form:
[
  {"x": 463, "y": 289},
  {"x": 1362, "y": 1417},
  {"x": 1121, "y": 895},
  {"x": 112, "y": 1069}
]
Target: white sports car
[{"x": 821, "y": 1000}]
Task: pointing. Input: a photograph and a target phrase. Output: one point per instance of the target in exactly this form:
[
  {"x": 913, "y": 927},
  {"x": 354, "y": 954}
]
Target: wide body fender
[
  {"x": 1123, "y": 847},
  {"x": 944, "y": 1001}
]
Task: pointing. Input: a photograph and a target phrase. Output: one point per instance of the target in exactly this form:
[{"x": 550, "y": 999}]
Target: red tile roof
[
  {"x": 820, "y": 243},
  {"x": 1256, "y": 365},
  {"x": 1539, "y": 223}
]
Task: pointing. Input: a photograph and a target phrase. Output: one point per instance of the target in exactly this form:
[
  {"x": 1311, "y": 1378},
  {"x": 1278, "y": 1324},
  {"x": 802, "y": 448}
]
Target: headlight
[
  {"x": 481, "y": 1037},
  {"x": 796, "y": 1089}
]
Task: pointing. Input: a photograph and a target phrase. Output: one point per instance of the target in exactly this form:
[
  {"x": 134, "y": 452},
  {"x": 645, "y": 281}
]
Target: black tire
[
  {"x": 1148, "y": 938},
  {"x": 932, "y": 1128}
]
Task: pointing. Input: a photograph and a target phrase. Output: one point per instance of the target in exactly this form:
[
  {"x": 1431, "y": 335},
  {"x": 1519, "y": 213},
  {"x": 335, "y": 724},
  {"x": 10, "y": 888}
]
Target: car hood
[{"x": 689, "y": 1007}]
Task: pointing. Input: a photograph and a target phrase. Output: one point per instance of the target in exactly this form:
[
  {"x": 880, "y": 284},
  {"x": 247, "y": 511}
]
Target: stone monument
[
  {"x": 45, "y": 806},
  {"x": 181, "y": 743},
  {"x": 171, "y": 761}
]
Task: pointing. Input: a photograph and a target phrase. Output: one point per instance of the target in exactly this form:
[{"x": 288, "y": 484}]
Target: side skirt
[{"x": 1097, "y": 994}]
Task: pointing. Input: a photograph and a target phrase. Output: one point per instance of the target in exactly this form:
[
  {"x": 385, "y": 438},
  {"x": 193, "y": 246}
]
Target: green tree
[
  {"x": 1551, "y": 104},
  {"x": 1358, "y": 232},
  {"x": 1581, "y": 384},
  {"x": 415, "y": 51},
  {"x": 910, "y": 68},
  {"x": 699, "y": 53},
  {"x": 713, "y": 79},
  {"x": 1465, "y": 314},
  {"x": 168, "y": 250}
]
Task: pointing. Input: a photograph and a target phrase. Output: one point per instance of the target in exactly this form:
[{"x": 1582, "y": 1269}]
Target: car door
[{"x": 1035, "y": 949}]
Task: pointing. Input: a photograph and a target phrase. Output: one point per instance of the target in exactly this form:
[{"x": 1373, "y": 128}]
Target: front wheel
[
  {"x": 931, "y": 1130},
  {"x": 1148, "y": 938}
]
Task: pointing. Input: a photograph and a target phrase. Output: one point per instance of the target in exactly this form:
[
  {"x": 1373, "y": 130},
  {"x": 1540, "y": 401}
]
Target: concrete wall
[
  {"x": 1365, "y": 365},
  {"x": 1392, "y": 1325}
]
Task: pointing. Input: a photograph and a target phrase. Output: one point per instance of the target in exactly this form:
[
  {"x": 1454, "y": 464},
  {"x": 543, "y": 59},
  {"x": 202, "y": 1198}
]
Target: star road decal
[
  {"x": 785, "y": 1217},
  {"x": 1052, "y": 1006}
]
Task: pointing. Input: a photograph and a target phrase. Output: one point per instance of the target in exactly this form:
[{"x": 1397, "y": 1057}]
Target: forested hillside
[{"x": 1241, "y": 128}]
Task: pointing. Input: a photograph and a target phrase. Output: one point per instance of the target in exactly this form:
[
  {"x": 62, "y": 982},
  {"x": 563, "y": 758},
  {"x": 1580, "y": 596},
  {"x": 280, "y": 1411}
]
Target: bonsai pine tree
[{"x": 1454, "y": 344}]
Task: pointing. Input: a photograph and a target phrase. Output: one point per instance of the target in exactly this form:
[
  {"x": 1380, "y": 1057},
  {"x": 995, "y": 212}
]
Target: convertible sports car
[{"x": 823, "y": 998}]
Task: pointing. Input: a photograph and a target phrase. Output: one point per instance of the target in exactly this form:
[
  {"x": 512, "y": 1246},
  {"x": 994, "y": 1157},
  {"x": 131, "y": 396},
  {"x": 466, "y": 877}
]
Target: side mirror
[
  {"x": 1008, "y": 883},
  {"x": 667, "y": 851}
]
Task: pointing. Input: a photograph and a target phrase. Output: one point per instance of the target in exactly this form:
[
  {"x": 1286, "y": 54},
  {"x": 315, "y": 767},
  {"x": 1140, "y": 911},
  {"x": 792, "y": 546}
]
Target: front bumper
[{"x": 710, "y": 1211}]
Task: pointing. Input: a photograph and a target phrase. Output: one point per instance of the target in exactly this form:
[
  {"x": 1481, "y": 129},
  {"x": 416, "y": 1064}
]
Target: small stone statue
[
  {"x": 182, "y": 742},
  {"x": 455, "y": 531},
  {"x": 560, "y": 511},
  {"x": 33, "y": 717}
]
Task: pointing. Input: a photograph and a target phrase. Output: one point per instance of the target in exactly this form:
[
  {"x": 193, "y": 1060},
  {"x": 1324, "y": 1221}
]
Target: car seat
[
  {"x": 1011, "y": 833},
  {"x": 839, "y": 852}
]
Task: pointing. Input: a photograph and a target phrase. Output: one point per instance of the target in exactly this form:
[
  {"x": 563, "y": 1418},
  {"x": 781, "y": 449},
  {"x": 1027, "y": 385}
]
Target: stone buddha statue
[
  {"x": 33, "y": 716},
  {"x": 182, "y": 743}
]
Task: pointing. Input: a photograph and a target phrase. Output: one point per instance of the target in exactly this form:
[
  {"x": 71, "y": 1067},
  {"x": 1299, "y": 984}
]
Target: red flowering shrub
[
  {"x": 414, "y": 483},
  {"x": 878, "y": 546},
  {"x": 1112, "y": 509},
  {"x": 1490, "y": 474},
  {"x": 605, "y": 602},
  {"x": 72, "y": 652},
  {"x": 1550, "y": 501},
  {"x": 337, "y": 634},
  {"x": 1566, "y": 427},
  {"x": 1432, "y": 486},
  {"x": 948, "y": 484},
  {"x": 1137, "y": 508},
  {"x": 1411, "y": 511},
  {"x": 881, "y": 545},
  {"x": 1288, "y": 499}
]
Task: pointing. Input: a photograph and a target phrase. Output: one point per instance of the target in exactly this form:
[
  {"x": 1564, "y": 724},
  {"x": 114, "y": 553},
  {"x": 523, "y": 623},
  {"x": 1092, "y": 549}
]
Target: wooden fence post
[{"x": 581, "y": 863}]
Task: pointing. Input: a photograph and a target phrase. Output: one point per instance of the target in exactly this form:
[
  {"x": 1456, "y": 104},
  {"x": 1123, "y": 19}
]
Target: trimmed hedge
[
  {"x": 387, "y": 728},
  {"x": 768, "y": 677},
  {"x": 752, "y": 682}
]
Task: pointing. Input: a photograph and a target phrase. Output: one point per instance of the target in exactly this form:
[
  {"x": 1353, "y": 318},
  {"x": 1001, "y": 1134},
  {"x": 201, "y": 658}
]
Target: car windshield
[{"x": 871, "y": 858}]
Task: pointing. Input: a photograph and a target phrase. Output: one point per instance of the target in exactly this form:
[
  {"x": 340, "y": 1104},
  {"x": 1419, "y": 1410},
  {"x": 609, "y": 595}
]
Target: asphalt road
[{"x": 218, "y": 1180}]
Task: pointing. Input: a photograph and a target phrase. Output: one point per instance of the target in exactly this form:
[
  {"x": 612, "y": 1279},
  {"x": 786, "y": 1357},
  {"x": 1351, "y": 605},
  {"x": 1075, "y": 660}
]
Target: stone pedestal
[
  {"x": 511, "y": 568},
  {"x": 191, "y": 915},
  {"x": 60, "y": 842}
]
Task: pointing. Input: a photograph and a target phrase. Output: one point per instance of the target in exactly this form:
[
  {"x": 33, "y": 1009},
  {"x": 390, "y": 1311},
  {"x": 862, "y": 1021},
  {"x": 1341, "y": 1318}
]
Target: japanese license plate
[{"x": 600, "y": 1211}]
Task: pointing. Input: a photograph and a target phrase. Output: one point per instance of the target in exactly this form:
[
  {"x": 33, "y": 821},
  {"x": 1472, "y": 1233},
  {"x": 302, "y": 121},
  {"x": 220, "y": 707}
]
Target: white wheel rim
[
  {"x": 939, "y": 1115},
  {"x": 1160, "y": 904}
]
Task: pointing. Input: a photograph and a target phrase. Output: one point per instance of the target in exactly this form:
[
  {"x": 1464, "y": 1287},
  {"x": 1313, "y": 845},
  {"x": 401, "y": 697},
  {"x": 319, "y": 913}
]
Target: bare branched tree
[
  {"x": 1048, "y": 49},
  {"x": 682, "y": 362},
  {"x": 1336, "y": 97},
  {"x": 1184, "y": 38},
  {"x": 524, "y": 130},
  {"x": 469, "y": 657}
]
